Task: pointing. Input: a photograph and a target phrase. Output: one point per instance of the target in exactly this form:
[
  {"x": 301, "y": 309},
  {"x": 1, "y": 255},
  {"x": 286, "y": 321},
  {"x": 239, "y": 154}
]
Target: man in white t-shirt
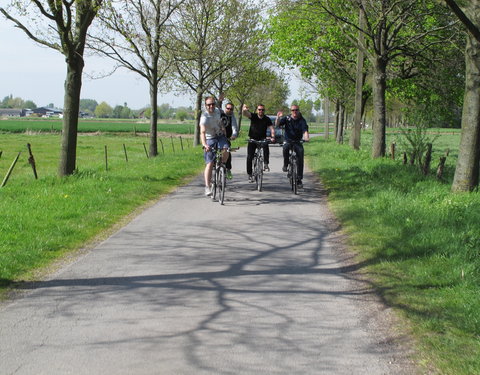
[{"x": 212, "y": 136}]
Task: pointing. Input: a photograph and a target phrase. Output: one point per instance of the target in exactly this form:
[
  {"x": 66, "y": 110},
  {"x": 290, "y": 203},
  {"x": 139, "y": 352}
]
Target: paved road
[{"x": 258, "y": 286}]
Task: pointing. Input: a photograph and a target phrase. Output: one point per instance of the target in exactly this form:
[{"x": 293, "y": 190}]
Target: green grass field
[
  {"x": 418, "y": 243},
  {"x": 46, "y": 125},
  {"x": 43, "y": 219}
]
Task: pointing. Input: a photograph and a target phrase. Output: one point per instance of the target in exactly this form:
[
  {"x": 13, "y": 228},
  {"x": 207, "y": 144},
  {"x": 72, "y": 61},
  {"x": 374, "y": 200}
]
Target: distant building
[
  {"x": 48, "y": 112},
  {"x": 12, "y": 112}
]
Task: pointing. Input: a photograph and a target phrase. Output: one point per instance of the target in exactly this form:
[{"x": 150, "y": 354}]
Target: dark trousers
[
  {"x": 299, "y": 150},
  {"x": 251, "y": 147}
]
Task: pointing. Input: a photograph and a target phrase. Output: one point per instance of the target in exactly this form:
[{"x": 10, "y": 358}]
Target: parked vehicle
[{"x": 278, "y": 131}]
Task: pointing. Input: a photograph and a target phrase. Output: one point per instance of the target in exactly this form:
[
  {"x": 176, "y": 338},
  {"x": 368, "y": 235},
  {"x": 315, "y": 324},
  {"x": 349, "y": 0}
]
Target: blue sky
[{"x": 33, "y": 72}]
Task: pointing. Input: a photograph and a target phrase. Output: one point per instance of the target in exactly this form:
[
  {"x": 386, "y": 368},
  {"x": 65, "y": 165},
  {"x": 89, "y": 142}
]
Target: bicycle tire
[
  {"x": 260, "y": 173},
  {"x": 214, "y": 183},
  {"x": 294, "y": 175},
  {"x": 255, "y": 169},
  {"x": 221, "y": 182}
]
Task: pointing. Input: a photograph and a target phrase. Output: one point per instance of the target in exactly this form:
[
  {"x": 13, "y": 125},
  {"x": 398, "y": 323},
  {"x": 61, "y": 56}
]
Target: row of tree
[
  {"x": 204, "y": 46},
  {"x": 408, "y": 54},
  {"x": 11, "y": 102}
]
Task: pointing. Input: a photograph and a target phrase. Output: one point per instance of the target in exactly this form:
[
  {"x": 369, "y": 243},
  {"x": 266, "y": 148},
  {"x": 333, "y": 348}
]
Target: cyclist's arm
[
  {"x": 306, "y": 136},
  {"x": 203, "y": 136},
  {"x": 246, "y": 112},
  {"x": 234, "y": 128}
]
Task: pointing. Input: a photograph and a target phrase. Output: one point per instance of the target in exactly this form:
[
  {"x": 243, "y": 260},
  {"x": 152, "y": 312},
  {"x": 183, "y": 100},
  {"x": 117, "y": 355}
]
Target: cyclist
[
  {"x": 296, "y": 129},
  {"x": 212, "y": 135},
  {"x": 231, "y": 131},
  {"x": 259, "y": 123}
]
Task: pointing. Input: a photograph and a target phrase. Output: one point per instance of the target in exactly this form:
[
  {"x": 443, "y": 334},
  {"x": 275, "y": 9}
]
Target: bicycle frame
[
  {"x": 292, "y": 171},
  {"x": 258, "y": 162},
  {"x": 219, "y": 178}
]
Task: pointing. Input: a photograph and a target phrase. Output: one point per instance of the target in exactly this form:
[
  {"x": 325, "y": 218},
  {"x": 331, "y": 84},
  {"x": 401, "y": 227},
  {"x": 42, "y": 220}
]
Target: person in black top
[
  {"x": 259, "y": 123},
  {"x": 296, "y": 129},
  {"x": 231, "y": 130}
]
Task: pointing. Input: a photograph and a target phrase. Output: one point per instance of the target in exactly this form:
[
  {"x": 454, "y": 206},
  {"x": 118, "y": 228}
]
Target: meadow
[
  {"x": 44, "y": 219},
  {"x": 417, "y": 243},
  {"x": 54, "y": 125}
]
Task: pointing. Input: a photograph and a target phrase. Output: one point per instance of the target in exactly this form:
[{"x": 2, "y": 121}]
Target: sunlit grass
[
  {"x": 421, "y": 244},
  {"x": 45, "y": 218}
]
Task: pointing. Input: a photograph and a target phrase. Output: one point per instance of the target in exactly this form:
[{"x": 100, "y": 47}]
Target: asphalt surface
[{"x": 261, "y": 285}]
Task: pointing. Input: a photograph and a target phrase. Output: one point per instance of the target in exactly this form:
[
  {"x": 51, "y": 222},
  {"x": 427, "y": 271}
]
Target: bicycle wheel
[
  {"x": 255, "y": 169},
  {"x": 214, "y": 183},
  {"x": 260, "y": 172},
  {"x": 221, "y": 183},
  {"x": 294, "y": 175}
]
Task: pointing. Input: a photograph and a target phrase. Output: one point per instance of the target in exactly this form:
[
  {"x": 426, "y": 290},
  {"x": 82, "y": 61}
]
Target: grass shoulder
[
  {"x": 419, "y": 244},
  {"x": 50, "y": 218}
]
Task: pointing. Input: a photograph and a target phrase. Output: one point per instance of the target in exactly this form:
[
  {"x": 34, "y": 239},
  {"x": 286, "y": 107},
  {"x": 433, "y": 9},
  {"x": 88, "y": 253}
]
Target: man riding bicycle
[
  {"x": 259, "y": 123},
  {"x": 296, "y": 129},
  {"x": 212, "y": 136}
]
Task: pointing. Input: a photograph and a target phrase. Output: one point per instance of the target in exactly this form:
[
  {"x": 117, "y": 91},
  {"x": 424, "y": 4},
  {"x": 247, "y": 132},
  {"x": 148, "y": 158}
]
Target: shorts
[{"x": 218, "y": 142}]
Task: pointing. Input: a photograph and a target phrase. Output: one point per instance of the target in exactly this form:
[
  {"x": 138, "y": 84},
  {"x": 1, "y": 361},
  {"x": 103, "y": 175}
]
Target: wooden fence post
[
  {"x": 181, "y": 143},
  {"x": 106, "y": 159},
  {"x": 125, "y": 152},
  {"x": 441, "y": 167},
  {"x": 161, "y": 143},
  {"x": 428, "y": 159},
  {"x": 173, "y": 146},
  {"x": 31, "y": 161},
  {"x": 392, "y": 150},
  {"x": 4, "y": 182},
  {"x": 145, "y": 148}
]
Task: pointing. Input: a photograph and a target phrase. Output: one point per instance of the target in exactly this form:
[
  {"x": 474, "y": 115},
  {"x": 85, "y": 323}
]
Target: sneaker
[
  {"x": 208, "y": 191},
  {"x": 284, "y": 168},
  {"x": 250, "y": 178},
  {"x": 299, "y": 184},
  {"x": 229, "y": 174},
  {"x": 266, "y": 168}
]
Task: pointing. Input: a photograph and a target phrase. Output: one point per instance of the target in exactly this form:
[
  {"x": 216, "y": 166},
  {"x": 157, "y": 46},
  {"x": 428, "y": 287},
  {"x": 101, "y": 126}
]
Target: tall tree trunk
[
  {"x": 467, "y": 168},
  {"x": 71, "y": 107},
  {"x": 379, "y": 120},
  {"x": 326, "y": 110},
  {"x": 153, "y": 151},
  {"x": 357, "y": 122},
  {"x": 341, "y": 123},
  {"x": 337, "y": 119},
  {"x": 198, "y": 114}
]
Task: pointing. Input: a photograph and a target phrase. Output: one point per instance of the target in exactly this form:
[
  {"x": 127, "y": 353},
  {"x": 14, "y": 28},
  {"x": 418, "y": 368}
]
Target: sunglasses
[
  {"x": 261, "y": 109},
  {"x": 229, "y": 108},
  {"x": 210, "y": 104},
  {"x": 294, "y": 110}
]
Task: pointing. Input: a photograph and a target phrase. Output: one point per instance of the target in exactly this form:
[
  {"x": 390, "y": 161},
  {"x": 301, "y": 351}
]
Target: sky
[{"x": 33, "y": 72}]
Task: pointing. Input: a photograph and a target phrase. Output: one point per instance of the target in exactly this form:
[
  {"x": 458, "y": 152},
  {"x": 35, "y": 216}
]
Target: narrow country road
[{"x": 260, "y": 285}]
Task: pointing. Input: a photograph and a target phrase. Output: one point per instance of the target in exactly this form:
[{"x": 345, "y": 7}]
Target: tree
[
  {"x": 258, "y": 85},
  {"x": 103, "y": 110},
  {"x": 66, "y": 24},
  {"x": 208, "y": 36},
  {"x": 134, "y": 34},
  {"x": 315, "y": 43},
  {"x": 466, "y": 176},
  {"x": 88, "y": 105},
  {"x": 29, "y": 104},
  {"x": 394, "y": 31}
]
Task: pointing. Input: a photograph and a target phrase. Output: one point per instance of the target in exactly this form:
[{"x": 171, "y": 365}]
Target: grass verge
[
  {"x": 42, "y": 220},
  {"x": 420, "y": 245}
]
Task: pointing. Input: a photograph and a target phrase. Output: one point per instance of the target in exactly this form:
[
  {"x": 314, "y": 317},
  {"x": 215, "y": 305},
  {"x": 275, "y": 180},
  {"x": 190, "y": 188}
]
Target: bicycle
[
  {"x": 292, "y": 169},
  {"x": 219, "y": 176},
  {"x": 258, "y": 162}
]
